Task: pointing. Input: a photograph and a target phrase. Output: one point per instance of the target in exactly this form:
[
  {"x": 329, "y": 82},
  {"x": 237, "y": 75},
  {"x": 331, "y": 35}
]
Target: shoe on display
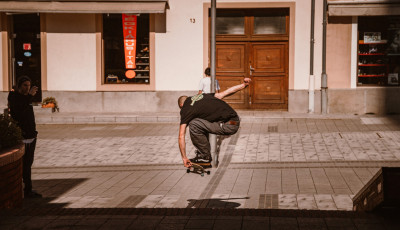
[{"x": 32, "y": 194}]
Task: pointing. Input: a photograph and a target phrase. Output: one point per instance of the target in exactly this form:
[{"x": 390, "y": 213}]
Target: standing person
[
  {"x": 21, "y": 110},
  {"x": 205, "y": 114},
  {"x": 205, "y": 83}
]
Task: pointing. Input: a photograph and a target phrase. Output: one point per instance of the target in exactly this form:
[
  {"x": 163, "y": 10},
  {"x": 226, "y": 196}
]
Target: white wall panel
[
  {"x": 71, "y": 61},
  {"x": 179, "y": 51}
]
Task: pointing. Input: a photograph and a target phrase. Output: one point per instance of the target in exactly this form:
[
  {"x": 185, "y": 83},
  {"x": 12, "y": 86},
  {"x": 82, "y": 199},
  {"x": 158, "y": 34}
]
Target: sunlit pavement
[{"x": 270, "y": 172}]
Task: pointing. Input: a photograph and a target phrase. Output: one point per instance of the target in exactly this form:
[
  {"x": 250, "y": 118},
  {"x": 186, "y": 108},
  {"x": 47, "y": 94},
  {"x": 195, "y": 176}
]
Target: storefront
[
  {"x": 141, "y": 55},
  {"x": 75, "y": 50},
  {"x": 89, "y": 57},
  {"x": 364, "y": 56}
]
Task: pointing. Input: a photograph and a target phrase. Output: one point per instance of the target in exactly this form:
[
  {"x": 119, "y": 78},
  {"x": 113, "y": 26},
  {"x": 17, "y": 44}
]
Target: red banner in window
[{"x": 129, "y": 23}]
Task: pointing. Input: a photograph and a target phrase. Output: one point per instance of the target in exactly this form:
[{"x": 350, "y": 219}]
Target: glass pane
[
  {"x": 229, "y": 25},
  {"x": 270, "y": 25},
  {"x": 114, "y": 51}
]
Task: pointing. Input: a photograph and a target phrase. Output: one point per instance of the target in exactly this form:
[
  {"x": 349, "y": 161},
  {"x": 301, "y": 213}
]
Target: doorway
[
  {"x": 254, "y": 43},
  {"x": 26, "y": 50}
]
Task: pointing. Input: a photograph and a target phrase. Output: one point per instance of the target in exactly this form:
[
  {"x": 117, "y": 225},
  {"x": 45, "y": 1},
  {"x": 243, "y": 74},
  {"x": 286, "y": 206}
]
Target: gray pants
[{"x": 199, "y": 130}]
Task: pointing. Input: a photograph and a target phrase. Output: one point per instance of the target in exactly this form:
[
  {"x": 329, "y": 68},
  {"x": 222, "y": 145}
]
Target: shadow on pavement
[{"x": 214, "y": 203}]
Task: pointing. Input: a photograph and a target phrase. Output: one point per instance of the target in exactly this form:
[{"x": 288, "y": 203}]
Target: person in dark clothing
[
  {"x": 21, "y": 110},
  {"x": 205, "y": 114}
]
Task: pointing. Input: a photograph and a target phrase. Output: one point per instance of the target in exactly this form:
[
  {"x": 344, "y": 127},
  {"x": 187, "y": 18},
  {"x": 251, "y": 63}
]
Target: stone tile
[
  {"x": 84, "y": 119},
  {"x": 200, "y": 224},
  {"x": 175, "y": 220},
  {"x": 101, "y": 119},
  {"x": 146, "y": 222},
  {"x": 36, "y": 222},
  {"x": 169, "y": 119},
  {"x": 227, "y": 224},
  {"x": 339, "y": 222},
  {"x": 150, "y": 119},
  {"x": 44, "y": 120},
  {"x": 311, "y": 223},
  {"x": 343, "y": 202},
  {"x": 325, "y": 202},
  {"x": 283, "y": 223},
  {"x": 62, "y": 120},
  {"x": 306, "y": 201},
  {"x": 255, "y": 223}
]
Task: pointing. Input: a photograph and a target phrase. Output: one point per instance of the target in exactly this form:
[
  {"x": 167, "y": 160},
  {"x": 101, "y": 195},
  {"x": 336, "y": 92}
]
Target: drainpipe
[
  {"x": 311, "y": 86},
  {"x": 213, "y": 137},
  {"x": 324, "y": 76}
]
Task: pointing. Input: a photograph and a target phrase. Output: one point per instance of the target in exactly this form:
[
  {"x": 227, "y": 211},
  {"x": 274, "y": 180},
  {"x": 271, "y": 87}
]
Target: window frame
[{"x": 101, "y": 85}]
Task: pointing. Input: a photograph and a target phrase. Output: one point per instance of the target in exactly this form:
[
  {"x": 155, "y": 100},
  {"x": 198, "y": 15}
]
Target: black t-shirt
[
  {"x": 207, "y": 107},
  {"x": 21, "y": 110}
]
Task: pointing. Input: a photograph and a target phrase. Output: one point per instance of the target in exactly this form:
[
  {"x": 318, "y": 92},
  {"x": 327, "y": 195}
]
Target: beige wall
[
  {"x": 3, "y": 53},
  {"x": 71, "y": 52},
  {"x": 338, "y": 59},
  {"x": 179, "y": 51}
]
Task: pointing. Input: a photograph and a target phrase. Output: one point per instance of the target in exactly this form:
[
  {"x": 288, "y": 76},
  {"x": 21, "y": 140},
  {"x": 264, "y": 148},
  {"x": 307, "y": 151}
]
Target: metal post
[
  {"x": 212, "y": 51},
  {"x": 213, "y": 137},
  {"x": 311, "y": 79},
  {"x": 324, "y": 76}
]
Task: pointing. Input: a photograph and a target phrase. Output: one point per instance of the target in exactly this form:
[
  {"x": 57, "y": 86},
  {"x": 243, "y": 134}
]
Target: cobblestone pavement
[
  {"x": 277, "y": 163},
  {"x": 270, "y": 164}
]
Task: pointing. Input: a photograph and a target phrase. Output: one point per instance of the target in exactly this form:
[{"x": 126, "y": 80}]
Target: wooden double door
[{"x": 266, "y": 63}]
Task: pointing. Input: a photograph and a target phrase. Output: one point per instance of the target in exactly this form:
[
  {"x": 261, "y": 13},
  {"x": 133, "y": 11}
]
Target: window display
[
  {"x": 378, "y": 52},
  {"x": 126, "y": 54}
]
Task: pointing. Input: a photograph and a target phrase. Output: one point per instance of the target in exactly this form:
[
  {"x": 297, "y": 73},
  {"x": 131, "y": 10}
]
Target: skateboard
[{"x": 196, "y": 168}]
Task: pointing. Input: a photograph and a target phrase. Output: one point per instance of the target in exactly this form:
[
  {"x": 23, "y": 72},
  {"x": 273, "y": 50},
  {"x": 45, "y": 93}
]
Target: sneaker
[
  {"x": 32, "y": 194},
  {"x": 200, "y": 160}
]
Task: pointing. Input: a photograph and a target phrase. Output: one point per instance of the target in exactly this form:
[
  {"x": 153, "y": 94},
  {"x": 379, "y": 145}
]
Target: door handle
[{"x": 251, "y": 70}]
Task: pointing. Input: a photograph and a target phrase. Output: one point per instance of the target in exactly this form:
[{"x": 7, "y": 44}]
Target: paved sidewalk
[
  {"x": 316, "y": 164},
  {"x": 284, "y": 164}
]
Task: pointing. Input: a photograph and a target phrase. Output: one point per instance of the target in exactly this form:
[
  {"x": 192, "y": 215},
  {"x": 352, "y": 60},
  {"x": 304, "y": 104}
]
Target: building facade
[{"x": 140, "y": 56}]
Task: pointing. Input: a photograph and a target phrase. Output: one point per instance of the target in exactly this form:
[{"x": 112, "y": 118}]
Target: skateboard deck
[{"x": 200, "y": 169}]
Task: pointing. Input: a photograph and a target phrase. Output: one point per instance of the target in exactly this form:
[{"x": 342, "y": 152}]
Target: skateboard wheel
[
  {"x": 202, "y": 174},
  {"x": 208, "y": 172},
  {"x": 187, "y": 170}
]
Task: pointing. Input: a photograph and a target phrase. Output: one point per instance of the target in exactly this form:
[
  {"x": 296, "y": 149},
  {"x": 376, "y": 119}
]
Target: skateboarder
[{"x": 205, "y": 114}]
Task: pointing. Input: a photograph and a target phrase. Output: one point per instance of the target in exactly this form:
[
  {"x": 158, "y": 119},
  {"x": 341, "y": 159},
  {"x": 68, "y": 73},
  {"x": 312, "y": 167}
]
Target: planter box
[{"x": 11, "y": 177}]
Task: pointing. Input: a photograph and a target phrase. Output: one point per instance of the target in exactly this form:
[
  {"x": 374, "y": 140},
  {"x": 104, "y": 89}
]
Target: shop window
[
  {"x": 379, "y": 51},
  {"x": 120, "y": 67}
]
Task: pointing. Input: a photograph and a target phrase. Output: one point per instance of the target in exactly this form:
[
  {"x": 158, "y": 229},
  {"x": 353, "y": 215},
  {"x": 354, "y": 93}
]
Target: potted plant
[
  {"x": 11, "y": 154},
  {"x": 10, "y": 133},
  {"x": 50, "y": 102}
]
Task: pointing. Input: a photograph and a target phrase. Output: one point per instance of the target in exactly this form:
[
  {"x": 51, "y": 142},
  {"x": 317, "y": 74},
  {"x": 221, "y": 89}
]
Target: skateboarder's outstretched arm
[
  {"x": 182, "y": 145},
  {"x": 233, "y": 89}
]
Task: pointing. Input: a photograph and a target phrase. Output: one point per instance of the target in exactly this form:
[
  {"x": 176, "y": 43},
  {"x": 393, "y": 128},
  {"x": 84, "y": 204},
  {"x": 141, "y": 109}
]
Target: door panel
[
  {"x": 269, "y": 75},
  {"x": 268, "y": 89},
  {"x": 237, "y": 100},
  {"x": 231, "y": 58},
  {"x": 269, "y": 58},
  {"x": 231, "y": 68}
]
